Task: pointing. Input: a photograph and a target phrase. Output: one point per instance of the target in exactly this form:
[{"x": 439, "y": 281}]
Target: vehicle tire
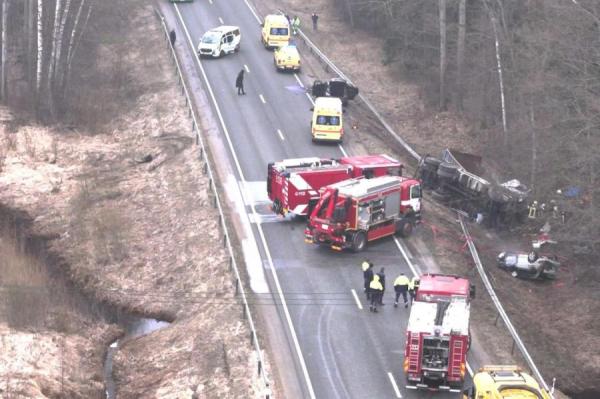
[
  {"x": 432, "y": 162},
  {"x": 404, "y": 228},
  {"x": 441, "y": 196},
  {"x": 359, "y": 241},
  {"x": 448, "y": 171},
  {"x": 221, "y": 54},
  {"x": 237, "y": 48}
]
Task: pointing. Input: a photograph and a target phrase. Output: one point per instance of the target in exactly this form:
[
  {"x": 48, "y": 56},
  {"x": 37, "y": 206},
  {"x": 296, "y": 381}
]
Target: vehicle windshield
[
  {"x": 328, "y": 120},
  {"x": 279, "y": 31},
  {"x": 210, "y": 38}
]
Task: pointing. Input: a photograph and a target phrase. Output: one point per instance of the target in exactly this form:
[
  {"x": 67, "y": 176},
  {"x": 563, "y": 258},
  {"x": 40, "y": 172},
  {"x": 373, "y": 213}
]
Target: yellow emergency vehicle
[
  {"x": 326, "y": 124},
  {"x": 287, "y": 58},
  {"x": 504, "y": 382},
  {"x": 275, "y": 31}
]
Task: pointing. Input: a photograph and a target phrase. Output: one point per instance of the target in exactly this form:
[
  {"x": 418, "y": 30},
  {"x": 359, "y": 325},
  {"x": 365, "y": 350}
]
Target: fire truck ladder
[
  {"x": 457, "y": 351},
  {"x": 413, "y": 352}
]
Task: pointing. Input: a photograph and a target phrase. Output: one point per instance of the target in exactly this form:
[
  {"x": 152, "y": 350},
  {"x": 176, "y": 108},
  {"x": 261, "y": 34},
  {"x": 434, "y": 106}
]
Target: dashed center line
[
  {"x": 356, "y": 299},
  {"x": 280, "y": 134},
  {"x": 221, "y": 20},
  {"x": 394, "y": 385},
  {"x": 262, "y": 98},
  {"x": 246, "y": 68}
]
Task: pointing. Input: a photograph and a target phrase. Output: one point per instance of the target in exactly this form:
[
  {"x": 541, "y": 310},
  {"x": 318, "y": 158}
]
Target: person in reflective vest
[
  {"x": 413, "y": 287},
  {"x": 376, "y": 292},
  {"x": 367, "y": 268},
  {"x": 401, "y": 287}
]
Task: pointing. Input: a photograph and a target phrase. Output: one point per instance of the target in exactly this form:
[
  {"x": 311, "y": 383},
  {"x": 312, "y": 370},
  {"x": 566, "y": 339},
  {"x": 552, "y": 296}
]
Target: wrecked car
[
  {"x": 335, "y": 87},
  {"x": 529, "y": 266}
]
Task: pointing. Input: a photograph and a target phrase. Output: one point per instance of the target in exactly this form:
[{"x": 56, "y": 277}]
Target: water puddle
[{"x": 134, "y": 327}]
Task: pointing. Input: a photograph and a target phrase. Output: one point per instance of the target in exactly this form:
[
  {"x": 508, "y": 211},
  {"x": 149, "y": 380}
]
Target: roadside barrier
[
  {"x": 216, "y": 203},
  {"x": 501, "y": 313}
]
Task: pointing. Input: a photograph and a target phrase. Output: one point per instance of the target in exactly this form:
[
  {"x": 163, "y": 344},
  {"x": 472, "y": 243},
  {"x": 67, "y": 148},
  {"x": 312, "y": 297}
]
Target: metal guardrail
[
  {"x": 207, "y": 169},
  {"x": 513, "y": 332},
  {"x": 488, "y": 286}
]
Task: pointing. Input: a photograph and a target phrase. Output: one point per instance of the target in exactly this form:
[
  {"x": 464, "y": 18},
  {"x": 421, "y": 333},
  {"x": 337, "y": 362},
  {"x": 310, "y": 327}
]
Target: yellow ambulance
[
  {"x": 275, "y": 31},
  {"x": 326, "y": 124}
]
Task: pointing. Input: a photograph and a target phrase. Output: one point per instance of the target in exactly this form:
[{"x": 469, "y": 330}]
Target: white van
[{"x": 220, "y": 41}]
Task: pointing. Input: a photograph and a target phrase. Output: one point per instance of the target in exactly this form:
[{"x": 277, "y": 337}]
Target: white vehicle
[{"x": 220, "y": 41}]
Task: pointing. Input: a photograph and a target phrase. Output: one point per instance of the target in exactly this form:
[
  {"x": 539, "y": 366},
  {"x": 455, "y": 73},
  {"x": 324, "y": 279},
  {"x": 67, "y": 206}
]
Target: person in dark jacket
[
  {"x": 239, "y": 83},
  {"x": 315, "y": 19},
  {"x": 367, "y": 268},
  {"x": 381, "y": 275},
  {"x": 172, "y": 37}
]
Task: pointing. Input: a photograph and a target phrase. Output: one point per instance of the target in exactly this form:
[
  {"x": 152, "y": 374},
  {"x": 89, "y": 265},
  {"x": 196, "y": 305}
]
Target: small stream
[{"x": 134, "y": 327}]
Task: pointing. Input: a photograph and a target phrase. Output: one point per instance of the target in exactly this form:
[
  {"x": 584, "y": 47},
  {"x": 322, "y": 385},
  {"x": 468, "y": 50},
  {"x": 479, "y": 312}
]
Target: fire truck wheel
[
  {"x": 277, "y": 206},
  {"x": 359, "y": 241},
  {"x": 405, "y": 228}
]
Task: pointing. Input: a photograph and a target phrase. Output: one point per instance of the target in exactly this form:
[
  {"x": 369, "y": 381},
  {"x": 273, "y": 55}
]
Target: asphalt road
[{"x": 349, "y": 352}]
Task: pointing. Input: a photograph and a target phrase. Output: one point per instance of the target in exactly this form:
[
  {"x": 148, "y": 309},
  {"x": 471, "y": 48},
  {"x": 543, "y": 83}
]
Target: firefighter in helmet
[{"x": 376, "y": 293}]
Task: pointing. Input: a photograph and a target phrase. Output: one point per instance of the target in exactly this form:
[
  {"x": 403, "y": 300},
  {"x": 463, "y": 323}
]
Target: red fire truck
[
  {"x": 293, "y": 184},
  {"x": 353, "y": 212},
  {"x": 437, "y": 335}
]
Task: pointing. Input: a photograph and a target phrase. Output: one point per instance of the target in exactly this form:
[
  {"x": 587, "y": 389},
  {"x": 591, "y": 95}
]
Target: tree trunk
[
  {"x": 61, "y": 33},
  {"x": 533, "y": 148},
  {"x": 443, "y": 60},
  {"x": 3, "y": 55},
  {"x": 52, "y": 61},
  {"x": 73, "y": 45},
  {"x": 30, "y": 34},
  {"x": 500, "y": 72},
  {"x": 40, "y": 46},
  {"x": 460, "y": 54},
  {"x": 350, "y": 13}
]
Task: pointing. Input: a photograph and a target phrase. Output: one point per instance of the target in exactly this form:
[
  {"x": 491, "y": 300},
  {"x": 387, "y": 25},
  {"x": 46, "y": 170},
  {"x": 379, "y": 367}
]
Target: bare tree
[
  {"x": 443, "y": 60},
  {"x": 40, "y": 46},
  {"x": 3, "y": 55},
  {"x": 460, "y": 53}
]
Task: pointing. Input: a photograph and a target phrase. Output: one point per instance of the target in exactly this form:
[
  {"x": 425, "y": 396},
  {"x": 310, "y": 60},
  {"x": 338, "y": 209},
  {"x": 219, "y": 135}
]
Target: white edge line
[
  {"x": 394, "y": 385},
  {"x": 470, "y": 370},
  {"x": 253, "y": 12},
  {"x": 342, "y": 150},
  {"x": 286, "y": 311},
  {"x": 262, "y": 98},
  {"x": 356, "y": 299},
  {"x": 280, "y": 134},
  {"x": 299, "y": 81},
  {"x": 246, "y": 68}
]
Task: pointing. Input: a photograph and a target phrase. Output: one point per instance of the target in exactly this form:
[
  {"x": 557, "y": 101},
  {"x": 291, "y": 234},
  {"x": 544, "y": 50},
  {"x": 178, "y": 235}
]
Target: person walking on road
[
  {"x": 413, "y": 287},
  {"x": 381, "y": 275},
  {"x": 315, "y": 19},
  {"x": 401, "y": 287},
  {"x": 376, "y": 293},
  {"x": 367, "y": 268},
  {"x": 172, "y": 37},
  {"x": 239, "y": 83}
]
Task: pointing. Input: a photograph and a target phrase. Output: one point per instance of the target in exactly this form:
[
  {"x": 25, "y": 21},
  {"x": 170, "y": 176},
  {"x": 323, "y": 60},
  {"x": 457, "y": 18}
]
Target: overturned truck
[{"x": 457, "y": 180}]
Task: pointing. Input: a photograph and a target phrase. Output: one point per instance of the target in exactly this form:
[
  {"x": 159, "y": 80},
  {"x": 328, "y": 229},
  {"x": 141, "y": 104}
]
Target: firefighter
[
  {"x": 532, "y": 210},
  {"x": 367, "y": 268},
  {"x": 295, "y": 25},
  {"x": 401, "y": 285},
  {"x": 381, "y": 275},
  {"x": 413, "y": 287},
  {"x": 376, "y": 292}
]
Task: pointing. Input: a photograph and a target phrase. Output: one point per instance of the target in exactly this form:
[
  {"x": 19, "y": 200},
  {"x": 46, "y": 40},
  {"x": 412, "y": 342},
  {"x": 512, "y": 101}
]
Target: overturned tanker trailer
[{"x": 457, "y": 181}]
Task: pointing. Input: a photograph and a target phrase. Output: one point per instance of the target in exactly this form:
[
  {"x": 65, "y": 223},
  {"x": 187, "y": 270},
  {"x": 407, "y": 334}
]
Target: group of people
[
  {"x": 374, "y": 286},
  {"x": 295, "y": 22}
]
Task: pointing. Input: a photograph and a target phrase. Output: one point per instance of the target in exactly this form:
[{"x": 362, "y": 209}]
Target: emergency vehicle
[
  {"x": 293, "y": 184},
  {"x": 353, "y": 212},
  {"x": 504, "y": 382},
  {"x": 437, "y": 335}
]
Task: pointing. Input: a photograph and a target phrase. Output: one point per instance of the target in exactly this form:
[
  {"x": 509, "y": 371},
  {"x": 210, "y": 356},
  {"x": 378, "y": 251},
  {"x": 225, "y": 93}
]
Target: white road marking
[
  {"x": 253, "y": 12},
  {"x": 262, "y": 98},
  {"x": 299, "y": 81},
  {"x": 356, "y": 299},
  {"x": 342, "y": 150},
  {"x": 286, "y": 311},
  {"x": 280, "y": 134},
  {"x": 246, "y": 68},
  {"x": 394, "y": 385},
  {"x": 470, "y": 370},
  {"x": 221, "y": 20},
  {"x": 310, "y": 99}
]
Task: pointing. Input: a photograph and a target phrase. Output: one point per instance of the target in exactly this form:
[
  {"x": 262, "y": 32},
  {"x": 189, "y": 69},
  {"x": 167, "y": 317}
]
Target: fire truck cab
[
  {"x": 353, "y": 212},
  {"x": 437, "y": 335},
  {"x": 293, "y": 184}
]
